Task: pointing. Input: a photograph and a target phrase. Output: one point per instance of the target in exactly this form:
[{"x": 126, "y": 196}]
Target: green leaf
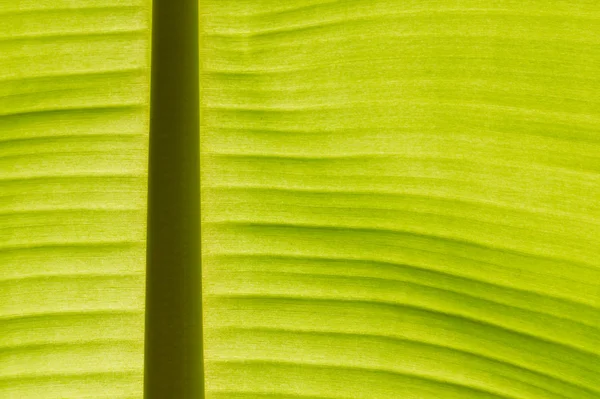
[
  {"x": 400, "y": 199},
  {"x": 74, "y": 88}
]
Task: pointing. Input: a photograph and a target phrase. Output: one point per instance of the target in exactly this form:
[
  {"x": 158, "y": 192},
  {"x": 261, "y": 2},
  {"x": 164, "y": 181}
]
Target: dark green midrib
[{"x": 173, "y": 353}]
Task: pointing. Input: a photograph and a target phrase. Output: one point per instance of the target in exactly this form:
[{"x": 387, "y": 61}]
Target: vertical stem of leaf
[{"x": 173, "y": 362}]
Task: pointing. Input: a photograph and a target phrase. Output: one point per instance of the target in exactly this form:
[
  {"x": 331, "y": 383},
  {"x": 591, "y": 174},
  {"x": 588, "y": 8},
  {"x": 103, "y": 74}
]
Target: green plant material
[
  {"x": 401, "y": 199},
  {"x": 74, "y": 81}
]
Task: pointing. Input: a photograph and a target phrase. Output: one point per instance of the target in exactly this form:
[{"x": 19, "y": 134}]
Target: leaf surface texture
[
  {"x": 400, "y": 199},
  {"x": 74, "y": 92}
]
